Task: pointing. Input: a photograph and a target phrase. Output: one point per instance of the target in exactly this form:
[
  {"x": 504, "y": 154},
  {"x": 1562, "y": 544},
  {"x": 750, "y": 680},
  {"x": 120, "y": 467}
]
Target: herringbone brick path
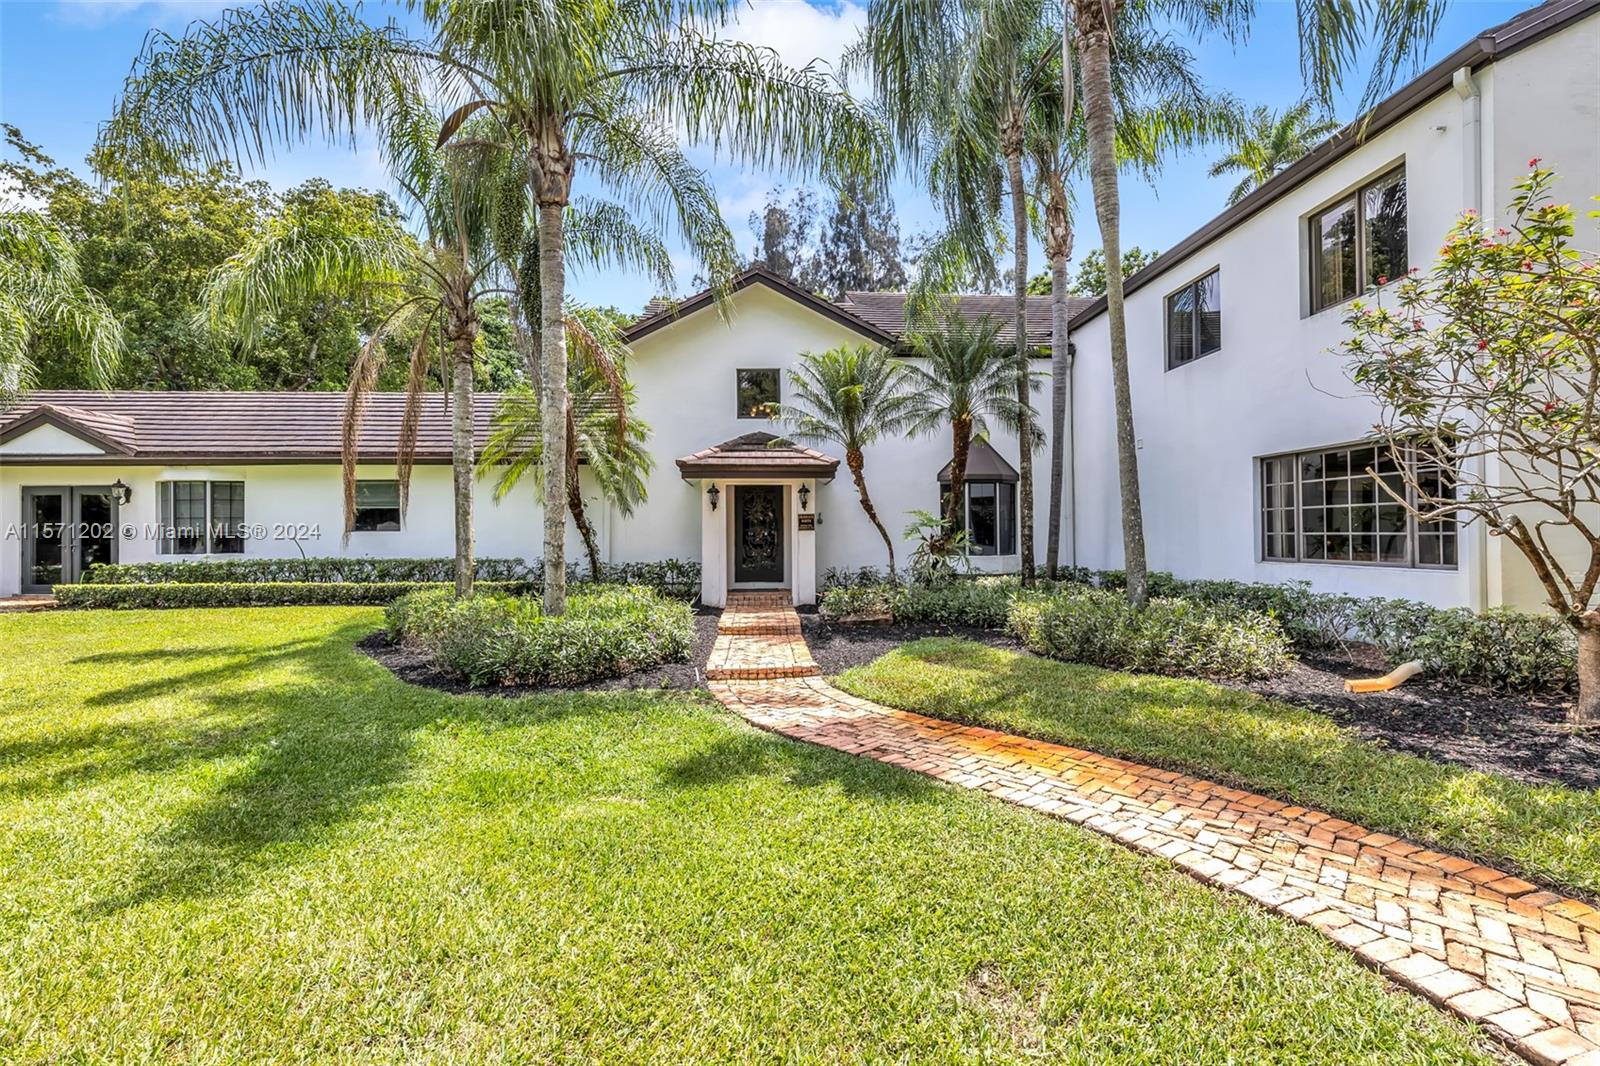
[
  {"x": 758, "y": 638},
  {"x": 1492, "y": 948}
]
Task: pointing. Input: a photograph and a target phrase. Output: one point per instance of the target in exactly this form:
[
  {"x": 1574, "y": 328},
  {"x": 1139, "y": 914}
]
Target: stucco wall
[{"x": 1277, "y": 385}]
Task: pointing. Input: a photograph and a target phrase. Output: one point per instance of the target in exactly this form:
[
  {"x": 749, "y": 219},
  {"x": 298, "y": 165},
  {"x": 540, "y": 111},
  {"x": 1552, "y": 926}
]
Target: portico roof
[{"x": 757, "y": 455}]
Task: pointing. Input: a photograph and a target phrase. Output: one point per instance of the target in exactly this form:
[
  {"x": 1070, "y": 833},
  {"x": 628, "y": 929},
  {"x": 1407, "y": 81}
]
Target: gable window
[
  {"x": 1359, "y": 240},
  {"x": 1323, "y": 506},
  {"x": 377, "y": 507},
  {"x": 990, "y": 516},
  {"x": 758, "y": 393},
  {"x": 1194, "y": 320},
  {"x": 201, "y": 517}
]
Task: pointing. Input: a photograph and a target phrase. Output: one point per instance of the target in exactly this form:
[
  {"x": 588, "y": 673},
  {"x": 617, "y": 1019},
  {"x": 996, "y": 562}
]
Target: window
[
  {"x": 1194, "y": 320},
  {"x": 1324, "y": 506},
  {"x": 990, "y": 517},
  {"x": 377, "y": 507},
  {"x": 198, "y": 517},
  {"x": 1358, "y": 241},
  {"x": 758, "y": 393}
]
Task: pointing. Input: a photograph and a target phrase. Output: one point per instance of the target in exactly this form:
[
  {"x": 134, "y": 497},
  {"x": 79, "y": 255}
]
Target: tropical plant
[
  {"x": 1486, "y": 373},
  {"x": 439, "y": 276},
  {"x": 965, "y": 379},
  {"x": 1270, "y": 141},
  {"x": 607, "y": 89},
  {"x": 601, "y": 433},
  {"x": 41, "y": 287},
  {"x": 1334, "y": 35},
  {"x": 852, "y": 397}
]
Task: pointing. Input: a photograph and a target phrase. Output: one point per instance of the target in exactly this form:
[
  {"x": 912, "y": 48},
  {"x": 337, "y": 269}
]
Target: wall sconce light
[
  {"x": 715, "y": 494},
  {"x": 805, "y": 496},
  {"x": 122, "y": 492}
]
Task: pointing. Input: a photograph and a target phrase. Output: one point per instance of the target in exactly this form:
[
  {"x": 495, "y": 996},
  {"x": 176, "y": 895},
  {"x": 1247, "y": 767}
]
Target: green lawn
[
  {"x": 1549, "y": 833},
  {"x": 227, "y": 836}
]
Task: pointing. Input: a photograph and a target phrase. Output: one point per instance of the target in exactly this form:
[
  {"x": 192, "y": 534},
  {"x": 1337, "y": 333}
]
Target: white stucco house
[{"x": 1246, "y": 424}]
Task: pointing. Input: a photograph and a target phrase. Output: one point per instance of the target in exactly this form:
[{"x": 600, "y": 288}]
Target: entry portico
[{"x": 758, "y": 515}]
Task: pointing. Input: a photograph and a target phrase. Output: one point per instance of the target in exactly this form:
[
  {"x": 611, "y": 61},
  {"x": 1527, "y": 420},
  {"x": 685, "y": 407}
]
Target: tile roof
[
  {"x": 887, "y": 311},
  {"x": 757, "y": 455},
  {"x": 983, "y": 464},
  {"x": 266, "y": 426}
]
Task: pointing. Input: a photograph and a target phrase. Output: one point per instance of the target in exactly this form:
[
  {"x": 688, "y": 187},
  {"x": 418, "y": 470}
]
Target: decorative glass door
[
  {"x": 66, "y": 531},
  {"x": 758, "y": 533}
]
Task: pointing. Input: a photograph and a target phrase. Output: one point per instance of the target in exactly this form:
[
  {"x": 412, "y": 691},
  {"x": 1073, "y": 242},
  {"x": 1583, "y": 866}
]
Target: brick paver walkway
[{"x": 1492, "y": 948}]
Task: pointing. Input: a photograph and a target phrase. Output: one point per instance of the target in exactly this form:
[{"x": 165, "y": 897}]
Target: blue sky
[{"x": 63, "y": 61}]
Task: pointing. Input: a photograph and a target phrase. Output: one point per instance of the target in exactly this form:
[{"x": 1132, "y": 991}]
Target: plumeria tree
[
  {"x": 1486, "y": 371},
  {"x": 852, "y": 397}
]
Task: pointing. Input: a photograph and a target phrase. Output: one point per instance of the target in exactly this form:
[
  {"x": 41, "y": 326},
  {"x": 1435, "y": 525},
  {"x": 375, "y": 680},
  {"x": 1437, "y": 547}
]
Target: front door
[
  {"x": 66, "y": 531},
  {"x": 758, "y": 534}
]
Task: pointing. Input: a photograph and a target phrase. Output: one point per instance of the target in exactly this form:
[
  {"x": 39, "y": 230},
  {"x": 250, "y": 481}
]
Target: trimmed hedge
[
  {"x": 1167, "y": 636},
  {"x": 496, "y": 639},
  {"x": 352, "y": 570},
  {"x": 262, "y": 594}
]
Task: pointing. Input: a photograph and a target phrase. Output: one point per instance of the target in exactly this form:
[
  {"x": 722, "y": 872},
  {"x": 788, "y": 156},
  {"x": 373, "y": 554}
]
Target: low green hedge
[
  {"x": 982, "y": 602},
  {"x": 496, "y": 639},
  {"x": 261, "y": 594},
  {"x": 1167, "y": 636},
  {"x": 351, "y": 570}
]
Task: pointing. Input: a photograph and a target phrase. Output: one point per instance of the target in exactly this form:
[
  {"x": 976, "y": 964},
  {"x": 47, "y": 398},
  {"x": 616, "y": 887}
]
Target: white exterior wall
[
  {"x": 685, "y": 376},
  {"x": 1277, "y": 385}
]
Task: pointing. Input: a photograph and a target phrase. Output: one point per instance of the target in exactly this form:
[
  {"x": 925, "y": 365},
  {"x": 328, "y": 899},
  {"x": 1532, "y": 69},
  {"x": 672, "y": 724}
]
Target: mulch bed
[
  {"x": 417, "y": 668},
  {"x": 836, "y": 648},
  {"x": 1521, "y": 737}
]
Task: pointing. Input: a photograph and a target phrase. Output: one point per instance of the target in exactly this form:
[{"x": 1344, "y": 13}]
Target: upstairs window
[
  {"x": 1358, "y": 241},
  {"x": 1194, "y": 320},
  {"x": 377, "y": 507},
  {"x": 201, "y": 517},
  {"x": 758, "y": 393}
]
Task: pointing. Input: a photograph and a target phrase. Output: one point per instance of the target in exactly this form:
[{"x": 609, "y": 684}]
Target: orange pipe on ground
[{"x": 1398, "y": 676}]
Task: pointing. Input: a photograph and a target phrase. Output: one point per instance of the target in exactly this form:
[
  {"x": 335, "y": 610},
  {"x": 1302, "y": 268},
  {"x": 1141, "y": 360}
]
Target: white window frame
[{"x": 165, "y": 510}]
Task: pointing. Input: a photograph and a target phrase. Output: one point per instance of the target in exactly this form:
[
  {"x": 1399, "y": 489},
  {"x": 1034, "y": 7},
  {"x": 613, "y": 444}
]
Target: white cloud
[{"x": 798, "y": 31}]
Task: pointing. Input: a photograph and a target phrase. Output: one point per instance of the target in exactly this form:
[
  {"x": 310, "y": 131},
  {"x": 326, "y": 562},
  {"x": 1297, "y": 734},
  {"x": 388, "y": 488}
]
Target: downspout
[
  {"x": 1472, "y": 196},
  {"x": 1070, "y": 465}
]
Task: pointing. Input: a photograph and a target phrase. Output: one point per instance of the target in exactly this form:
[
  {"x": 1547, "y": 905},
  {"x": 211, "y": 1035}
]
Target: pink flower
[
  {"x": 1416, "y": 323},
  {"x": 1533, "y": 162},
  {"x": 1527, "y": 264},
  {"x": 1383, "y": 279},
  {"x": 1482, "y": 345}
]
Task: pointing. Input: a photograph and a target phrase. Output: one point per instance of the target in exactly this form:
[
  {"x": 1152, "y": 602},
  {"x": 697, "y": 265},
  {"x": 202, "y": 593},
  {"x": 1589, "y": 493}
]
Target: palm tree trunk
[
  {"x": 1095, "y": 56},
  {"x": 553, "y": 404},
  {"x": 960, "y": 445},
  {"x": 580, "y": 518},
  {"x": 857, "y": 462},
  {"x": 1060, "y": 410},
  {"x": 1019, "y": 239},
  {"x": 461, "y": 454}
]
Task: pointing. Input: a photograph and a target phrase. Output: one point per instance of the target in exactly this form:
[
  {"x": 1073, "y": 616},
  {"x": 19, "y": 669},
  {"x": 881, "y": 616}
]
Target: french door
[{"x": 66, "y": 531}]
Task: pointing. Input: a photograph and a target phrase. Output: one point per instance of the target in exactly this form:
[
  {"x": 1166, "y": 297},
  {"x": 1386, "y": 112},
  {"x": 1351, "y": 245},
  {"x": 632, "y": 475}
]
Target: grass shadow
[{"x": 758, "y": 754}]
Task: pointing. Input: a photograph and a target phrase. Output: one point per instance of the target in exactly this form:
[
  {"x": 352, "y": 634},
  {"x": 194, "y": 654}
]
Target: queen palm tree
[
  {"x": 966, "y": 379},
  {"x": 1334, "y": 35},
  {"x": 601, "y": 432},
  {"x": 602, "y": 90},
  {"x": 852, "y": 397},
  {"x": 437, "y": 280},
  {"x": 1271, "y": 141},
  {"x": 41, "y": 288}
]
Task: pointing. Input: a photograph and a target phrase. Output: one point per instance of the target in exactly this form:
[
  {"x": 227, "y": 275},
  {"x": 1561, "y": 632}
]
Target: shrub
[
  {"x": 1500, "y": 648},
  {"x": 331, "y": 569},
  {"x": 678, "y": 578},
  {"x": 497, "y": 639},
  {"x": 1167, "y": 636},
  {"x": 262, "y": 594},
  {"x": 842, "y": 601},
  {"x": 836, "y": 577},
  {"x": 981, "y": 603}
]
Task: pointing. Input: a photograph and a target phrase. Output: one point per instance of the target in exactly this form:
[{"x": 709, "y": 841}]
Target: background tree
[
  {"x": 967, "y": 379},
  {"x": 856, "y": 248},
  {"x": 1270, "y": 141},
  {"x": 1487, "y": 376},
  {"x": 1090, "y": 280},
  {"x": 41, "y": 287},
  {"x": 852, "y": 397},
  {"x": 605, "y": 90}
]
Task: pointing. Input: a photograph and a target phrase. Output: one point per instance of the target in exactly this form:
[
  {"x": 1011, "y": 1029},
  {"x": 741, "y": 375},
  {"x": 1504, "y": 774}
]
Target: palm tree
[
  {"x": 437, "y": 280},
  {"x": 601, "y": 89},
  {"x": 851, "y": 397},
  {"x": 1271, "y": 141},
  {"x": 41, "y": 288},
  {"x": 969, "y": 378},
  {"x": 1334, "y": 35},
  {"x": 601, "y": 431}
]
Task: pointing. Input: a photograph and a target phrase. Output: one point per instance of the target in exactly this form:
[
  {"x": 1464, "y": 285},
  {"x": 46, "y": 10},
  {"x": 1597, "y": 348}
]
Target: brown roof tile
[
  {"x": 887, "y": 311},
  {"x": 757, "y": 455}
]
